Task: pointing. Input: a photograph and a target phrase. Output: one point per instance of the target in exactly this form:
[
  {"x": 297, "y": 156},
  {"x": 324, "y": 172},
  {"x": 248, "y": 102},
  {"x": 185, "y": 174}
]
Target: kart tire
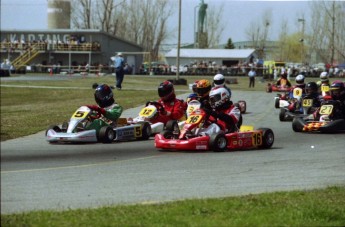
[
  {"x": 276, "y": 102},
  {"x": 106, "y": 134},
  {"x": 146, "y": 131},
  {"x": 167, "y": 134},
  {"x": 282, "y": 114},
  {"x": 297, "y": 124},
  {"x": 267, "y": 138},
  {"x": 54, "y": 127},
  {"x": 240, "y": 121},
  {"x": 218, "y": 142},
  {"x": 172, "y": 126},
  {"x": 269, "y": 88}
]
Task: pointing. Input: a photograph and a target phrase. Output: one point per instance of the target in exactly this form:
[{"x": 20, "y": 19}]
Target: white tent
[{"x": 219, "y": 56}]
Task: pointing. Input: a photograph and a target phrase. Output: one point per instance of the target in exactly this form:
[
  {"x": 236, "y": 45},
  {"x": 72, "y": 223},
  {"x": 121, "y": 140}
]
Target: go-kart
[
  {"x": 75, "y": 130},
  {"x": 192, "y": 138},
  {"x": 321, "y": 121},
  {"x": 149, "y": 113},
  {"x": 277, "y": 88},
  {"x": 301, "y": 108}
]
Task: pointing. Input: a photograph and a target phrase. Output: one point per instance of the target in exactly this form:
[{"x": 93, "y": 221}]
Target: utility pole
[{"x": 178, "y": 42}]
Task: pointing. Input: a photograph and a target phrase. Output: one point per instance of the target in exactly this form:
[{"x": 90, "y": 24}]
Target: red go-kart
[{"x": 191, "y": 138}]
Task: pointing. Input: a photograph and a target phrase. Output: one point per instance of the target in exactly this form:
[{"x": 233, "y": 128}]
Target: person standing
[
  {"x": 119, "y": 64},
  {"x": 252, "y": 75}
]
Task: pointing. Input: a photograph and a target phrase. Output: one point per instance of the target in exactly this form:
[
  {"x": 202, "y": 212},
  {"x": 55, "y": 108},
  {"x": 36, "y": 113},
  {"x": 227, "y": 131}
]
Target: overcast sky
[{"x": 32, "y": 14}]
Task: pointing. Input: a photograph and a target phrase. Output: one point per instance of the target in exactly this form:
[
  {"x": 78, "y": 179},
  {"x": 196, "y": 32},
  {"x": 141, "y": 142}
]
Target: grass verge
[{"x": 323, "y": 207}]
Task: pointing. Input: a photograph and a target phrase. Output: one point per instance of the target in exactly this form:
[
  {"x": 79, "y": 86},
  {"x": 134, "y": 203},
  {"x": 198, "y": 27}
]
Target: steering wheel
[{"x": 95, "y": 115}]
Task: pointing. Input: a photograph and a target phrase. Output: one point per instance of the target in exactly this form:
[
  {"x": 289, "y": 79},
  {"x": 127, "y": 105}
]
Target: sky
[{"x": 238, "y": 15}]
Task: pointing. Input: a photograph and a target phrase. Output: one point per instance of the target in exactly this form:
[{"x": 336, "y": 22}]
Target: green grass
[{"x": 323, "y": 207}]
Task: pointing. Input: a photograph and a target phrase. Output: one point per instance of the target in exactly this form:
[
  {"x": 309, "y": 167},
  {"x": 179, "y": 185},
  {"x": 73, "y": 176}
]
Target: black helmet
[
  {"x": 104, "y": 95},
  {"x": 310, "y": 88},
  {"x": 337, "y": 88},
  {"x": 166, "y": 91}
]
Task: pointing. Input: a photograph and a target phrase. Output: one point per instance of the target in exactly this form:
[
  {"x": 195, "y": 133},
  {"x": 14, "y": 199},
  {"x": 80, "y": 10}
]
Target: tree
[
  {"x": 258, "y": 32},
  {"x": 230, "y": 44},
  {"x": 215, "y": 25},
  {"x": 328, "y": 30},
  {"x": 143, "y": 22}
]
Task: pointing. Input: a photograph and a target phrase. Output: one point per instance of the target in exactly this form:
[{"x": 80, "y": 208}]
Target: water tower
[{"x": 59, "y": 14}]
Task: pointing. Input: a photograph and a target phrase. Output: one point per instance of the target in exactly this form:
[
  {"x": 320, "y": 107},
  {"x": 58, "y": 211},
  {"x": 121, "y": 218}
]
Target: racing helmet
[
  {"x": 166, "y": 91},
  {"x": 283, "y": 75},
  {"x": 194, "y": 86},
  {"x": 104, "y": 95},
  {"x": 218, "y": 80},
  {"x": 203, "y": 88},
  {"x": 218, "y": 97},
  {"x": 337, "y": 88},
  {"x": 311, "y": 88},
  {"x": 299, "y": 79},
  {"x": 324, "y": 77}
]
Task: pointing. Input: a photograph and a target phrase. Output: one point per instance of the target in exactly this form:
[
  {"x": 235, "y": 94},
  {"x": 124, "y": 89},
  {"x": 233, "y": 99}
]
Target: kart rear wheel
[
  {"x": 146, "y": 131},
  {"x": 106, "y": 134},
  {"x": 54, "y": 127},
  {"x": 267, "y": 138},
  {"x": 167, "y": 134},
  {"x": 218, "y": 142},
  {"x": 282, "y": 114}
]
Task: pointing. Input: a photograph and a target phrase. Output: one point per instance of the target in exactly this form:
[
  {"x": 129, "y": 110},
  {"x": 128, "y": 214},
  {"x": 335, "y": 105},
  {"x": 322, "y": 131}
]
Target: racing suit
[
  {"x": 110, "y": 114},
  {"x": 172, "y": 110},
  {"x": 227, "y": 119}
]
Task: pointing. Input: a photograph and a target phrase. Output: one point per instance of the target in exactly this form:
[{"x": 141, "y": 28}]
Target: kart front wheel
[
  {"x": 267, "y": 138},
  {"x": 106, "y": 134},
  {"x": 167, "y": 134},
  {"x": 276, "y": 102},
  {"x": 218, "y": 142},
  {"x": 282, "y": 114},
  {"x": 297, "y": 124},
  {"x": 54, "y": 127},
  {"x": 242, "y": 105}
]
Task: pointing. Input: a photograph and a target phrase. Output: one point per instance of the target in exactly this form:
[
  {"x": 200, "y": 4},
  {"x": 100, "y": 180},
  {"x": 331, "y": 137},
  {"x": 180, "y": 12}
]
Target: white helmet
[
  {"x": 324, "y": 76},
  {"x": 300, "y": 79},
  {"x": 218, "y": 80},
  {"x": 218, "y": 96}
]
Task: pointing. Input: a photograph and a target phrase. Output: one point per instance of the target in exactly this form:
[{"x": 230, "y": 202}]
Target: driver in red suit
[{"x": 172, "y": 108}]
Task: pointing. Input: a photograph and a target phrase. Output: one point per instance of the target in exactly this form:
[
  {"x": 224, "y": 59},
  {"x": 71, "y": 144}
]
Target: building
[
  {"x": 227, "y": 57},
  {"x": 66, "y": 47}
]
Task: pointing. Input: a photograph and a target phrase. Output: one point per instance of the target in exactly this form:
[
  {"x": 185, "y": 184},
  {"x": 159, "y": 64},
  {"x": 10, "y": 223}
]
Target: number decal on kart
[
  {"x": 257, "y": 139},
  {"x": 297, "y": 92},
  {"x": 137, "y": 131},
  {"x": 324, "y": 88},
  {"x": 307, "y": 102},
  {"x": 326, "y": 109},
  {"x": 194, "y": 119},
  {"x": 79, "y": 114},
  {"x": 190, "y": 109},
  {"x": 147, "y": 112}
]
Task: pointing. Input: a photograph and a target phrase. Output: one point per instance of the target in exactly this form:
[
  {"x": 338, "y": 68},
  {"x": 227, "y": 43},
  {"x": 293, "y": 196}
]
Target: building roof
[{"x": 212, "y": 53}]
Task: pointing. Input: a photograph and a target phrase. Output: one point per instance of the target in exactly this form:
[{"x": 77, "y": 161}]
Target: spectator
[
  {"x": 119, "y": 64},
  {"x": 252, "y": 75}
]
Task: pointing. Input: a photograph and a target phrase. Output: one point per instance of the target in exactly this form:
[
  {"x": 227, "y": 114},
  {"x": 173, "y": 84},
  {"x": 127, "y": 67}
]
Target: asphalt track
[{"x": 36, "y": 175}]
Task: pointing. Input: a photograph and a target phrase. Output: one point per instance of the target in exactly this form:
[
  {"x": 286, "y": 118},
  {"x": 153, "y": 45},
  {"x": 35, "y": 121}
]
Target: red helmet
[{"x": 166, "y": 91}]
